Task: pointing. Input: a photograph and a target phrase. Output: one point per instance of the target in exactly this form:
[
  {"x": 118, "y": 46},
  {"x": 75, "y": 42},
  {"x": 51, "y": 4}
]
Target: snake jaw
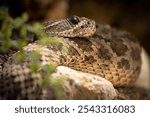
[{"x": 90, "y": 30}]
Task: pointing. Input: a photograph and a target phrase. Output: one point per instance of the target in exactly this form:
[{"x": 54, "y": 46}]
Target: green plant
[{"x": 16, "y": 34}]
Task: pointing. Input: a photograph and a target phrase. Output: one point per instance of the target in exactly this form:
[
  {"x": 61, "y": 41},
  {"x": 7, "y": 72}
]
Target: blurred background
[{"x": 130, "y": 15}]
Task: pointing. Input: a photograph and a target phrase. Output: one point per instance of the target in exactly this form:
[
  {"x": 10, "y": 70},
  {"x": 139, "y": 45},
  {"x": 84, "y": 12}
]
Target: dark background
[{"x": 130, "y": 15}]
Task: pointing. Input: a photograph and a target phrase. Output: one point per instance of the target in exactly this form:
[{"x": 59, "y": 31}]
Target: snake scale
[{"x": 94, "y": 48}]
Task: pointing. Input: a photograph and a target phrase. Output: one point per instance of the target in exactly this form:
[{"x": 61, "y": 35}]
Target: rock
[
  {"x": 79, "y": 85},
  {"x": 144, "y": 78}
]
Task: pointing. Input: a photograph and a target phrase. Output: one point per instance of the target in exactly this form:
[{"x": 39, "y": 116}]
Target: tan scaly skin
[{"x": 92, "y": 48}]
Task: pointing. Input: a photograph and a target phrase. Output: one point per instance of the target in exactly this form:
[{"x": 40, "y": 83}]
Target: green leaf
[
  {"x": 20, "y": 56},
  {"x": 25, "y": 17},
  {"x": 6, "y": 29},
  {"x": 57, "y": 86},
  {"x": 22, "y": 43},
  {"x": 48, "y": 69},
  {"x": 34, "y": 56},
  {"x": 23, "y": 31},
  {"x": 35, "y": 67},
  {"x": 46, "y": 81}
]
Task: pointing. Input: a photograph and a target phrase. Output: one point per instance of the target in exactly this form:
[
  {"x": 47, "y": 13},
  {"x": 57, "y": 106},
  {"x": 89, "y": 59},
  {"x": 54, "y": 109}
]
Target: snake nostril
[{"x": 82, "y": 26}]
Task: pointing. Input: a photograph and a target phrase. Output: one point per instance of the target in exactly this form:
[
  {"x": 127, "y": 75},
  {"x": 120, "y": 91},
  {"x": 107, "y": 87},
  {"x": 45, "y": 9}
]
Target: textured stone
[{"x": 79, "y": 85}]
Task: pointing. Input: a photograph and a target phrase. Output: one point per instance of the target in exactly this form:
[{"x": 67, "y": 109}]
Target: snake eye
[{"x": 74, "y": 20}]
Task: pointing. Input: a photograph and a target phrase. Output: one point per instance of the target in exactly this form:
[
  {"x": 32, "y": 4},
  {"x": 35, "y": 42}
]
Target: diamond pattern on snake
[{"x": 94, "y": 48}]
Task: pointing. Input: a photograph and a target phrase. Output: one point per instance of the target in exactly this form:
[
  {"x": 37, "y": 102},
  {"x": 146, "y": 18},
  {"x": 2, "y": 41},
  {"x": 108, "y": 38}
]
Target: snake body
[
  {"x": 93, "y": 48},
  {"x": 112, "y": 54}
]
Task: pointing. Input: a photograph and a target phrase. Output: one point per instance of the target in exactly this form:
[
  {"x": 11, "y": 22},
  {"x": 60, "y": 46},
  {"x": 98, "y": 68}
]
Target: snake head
[{"x": 71, "y": 27}]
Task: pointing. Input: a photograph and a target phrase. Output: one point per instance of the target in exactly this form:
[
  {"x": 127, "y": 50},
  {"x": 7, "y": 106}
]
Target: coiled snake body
[{"x": 94, "y": 48}]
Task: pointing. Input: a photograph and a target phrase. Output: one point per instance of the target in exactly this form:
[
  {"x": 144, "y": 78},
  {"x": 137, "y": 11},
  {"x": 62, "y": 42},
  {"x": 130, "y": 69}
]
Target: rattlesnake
[
  {"x": 109, "y": 53},
  {"x": 94, "y": 48}
]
